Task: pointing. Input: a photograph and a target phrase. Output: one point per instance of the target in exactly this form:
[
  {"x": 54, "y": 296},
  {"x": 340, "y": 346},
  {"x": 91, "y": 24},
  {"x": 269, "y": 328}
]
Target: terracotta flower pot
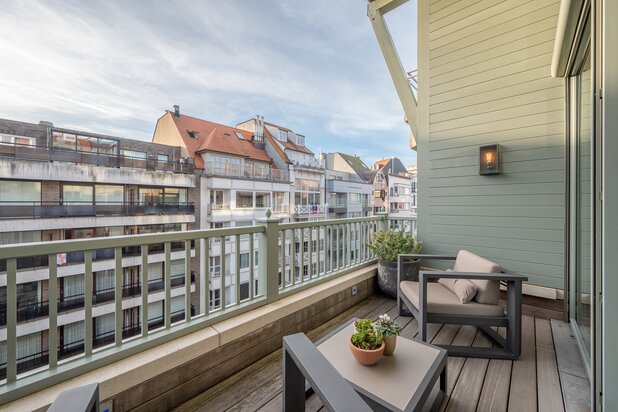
[
  {"x": 390, "y": 342},
  {"x": 366, "y": 357}
]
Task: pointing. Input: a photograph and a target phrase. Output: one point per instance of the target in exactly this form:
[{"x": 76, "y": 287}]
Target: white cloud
[{"x": 114, "y": 67}]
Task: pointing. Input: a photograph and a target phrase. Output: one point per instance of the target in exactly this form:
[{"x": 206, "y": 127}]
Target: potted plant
[
  {"x": 387, "y": 244},
  {"x": 389, "y": 330},
  {"x": 366, "y": 342}
]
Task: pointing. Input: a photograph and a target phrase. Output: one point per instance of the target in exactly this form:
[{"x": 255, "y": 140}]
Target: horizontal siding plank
[
  {"x": 500, "y": 189},
  {"x": 522, "y": 245},
  {"x": 508, "y": 103},
  {"x": 498, "y": 222},
  {"x": 466, "y": 52},
  {"x": 437, "y": 5},
  {"x": 530, "y": 139},
  {"x": 456, "y": 7},
  {"x": 539, "y": 212},
  {"x": 522, "y": 166},
  {"x": 493, "y": 20},
  {"x": 498, "y": 201},
  {"x": 496, "y": 73},
  {"x": 492, "y": 87},
  {"x": 477, "y": 10},
  {"x": 529, "y": 110},
  {"x": 516, "y": 178},
  {"x": 503, "y": 233},
  {"x": 511, "y": 55},
  {"x": 507, "y": 156}
]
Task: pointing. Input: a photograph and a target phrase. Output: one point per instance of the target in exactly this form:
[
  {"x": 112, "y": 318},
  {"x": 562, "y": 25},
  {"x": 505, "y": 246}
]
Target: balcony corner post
[{"x": 268, "y": 258}]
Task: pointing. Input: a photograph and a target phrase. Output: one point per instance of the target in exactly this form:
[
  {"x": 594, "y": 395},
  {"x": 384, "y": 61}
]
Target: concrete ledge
[{"x": 119, "y": 377}]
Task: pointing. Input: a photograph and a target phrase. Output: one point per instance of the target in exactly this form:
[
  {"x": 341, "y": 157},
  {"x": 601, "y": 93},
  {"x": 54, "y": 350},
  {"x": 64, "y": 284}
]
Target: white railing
[
  {"x": 334, "y": 248},
  {"x": 245, "y": 171},
  {"x": 310, "y": 209},
  {"x": 311, "y": 162}
]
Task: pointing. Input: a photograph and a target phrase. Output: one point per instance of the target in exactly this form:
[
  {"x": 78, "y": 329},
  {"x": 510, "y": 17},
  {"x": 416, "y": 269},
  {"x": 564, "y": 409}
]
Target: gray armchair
[{"x": 434, "y": 299}]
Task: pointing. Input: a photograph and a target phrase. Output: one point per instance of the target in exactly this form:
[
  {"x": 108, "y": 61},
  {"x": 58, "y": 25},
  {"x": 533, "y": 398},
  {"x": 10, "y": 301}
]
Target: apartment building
[
  {"x": 392, "y": 187},
  {"x": 413, "y": 172},
  {"x": 348, "y": 192},
  {"x": 307, "y": 172},
  {"x": 60, "y": 184},
  {"x": 238, "y": 181}
]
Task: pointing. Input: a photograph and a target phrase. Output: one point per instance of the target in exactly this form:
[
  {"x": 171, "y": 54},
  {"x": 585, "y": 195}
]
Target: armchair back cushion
[{"x": 488, "y": 291}]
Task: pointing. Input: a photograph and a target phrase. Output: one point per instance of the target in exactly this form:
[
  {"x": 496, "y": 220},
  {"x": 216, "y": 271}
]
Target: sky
[{"x": 114, "y": 67}]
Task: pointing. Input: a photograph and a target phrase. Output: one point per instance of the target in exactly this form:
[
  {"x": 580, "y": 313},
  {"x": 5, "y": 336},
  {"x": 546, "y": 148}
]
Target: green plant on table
[
  {"x": 387, "y": 244},
  {"x": 366, "y": 336},
  {"x": 387, "y": 326}
]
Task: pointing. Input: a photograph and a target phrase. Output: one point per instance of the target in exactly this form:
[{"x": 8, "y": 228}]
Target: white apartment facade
[
  {"x": 348, "y": 192},
  {"x": 58, "y": 184}
]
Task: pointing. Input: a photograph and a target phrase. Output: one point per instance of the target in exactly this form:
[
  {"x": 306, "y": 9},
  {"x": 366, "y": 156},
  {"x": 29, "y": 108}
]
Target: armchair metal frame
[{"x": 509, "y": 348}]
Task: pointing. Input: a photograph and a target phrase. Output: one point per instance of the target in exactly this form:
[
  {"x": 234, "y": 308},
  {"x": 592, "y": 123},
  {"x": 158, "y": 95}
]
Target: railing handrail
[{"x": 80, "y": 245}]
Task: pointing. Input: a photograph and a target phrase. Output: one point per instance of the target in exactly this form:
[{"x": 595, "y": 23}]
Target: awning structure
[
  {"x": 568, "y": 21},
  {"x": 376, "y": 9}
]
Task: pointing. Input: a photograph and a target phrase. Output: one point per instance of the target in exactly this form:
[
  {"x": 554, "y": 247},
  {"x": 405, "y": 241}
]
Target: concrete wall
[{"x": 484, "y": 77}]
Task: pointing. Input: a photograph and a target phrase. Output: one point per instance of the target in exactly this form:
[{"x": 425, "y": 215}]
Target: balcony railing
[
  {"x": 311, "y": 163},
  {"x": 46, "y": 209},
  {"x": 50, "y": 154},
  {"x": 341, "y": 243},
  {"x": 245, "y": 171},
  {"x": 307, "y": 210}
]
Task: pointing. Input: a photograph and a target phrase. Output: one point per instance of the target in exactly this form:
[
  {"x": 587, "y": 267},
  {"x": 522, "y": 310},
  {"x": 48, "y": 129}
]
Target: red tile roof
[{"x": 214, "y": 137}]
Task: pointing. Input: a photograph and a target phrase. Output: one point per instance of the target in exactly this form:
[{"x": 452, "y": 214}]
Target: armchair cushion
[
  {"x": 488, "y": 291},
  {"x": 463, "y": 288},
  {"x": 440, "y": 300}
]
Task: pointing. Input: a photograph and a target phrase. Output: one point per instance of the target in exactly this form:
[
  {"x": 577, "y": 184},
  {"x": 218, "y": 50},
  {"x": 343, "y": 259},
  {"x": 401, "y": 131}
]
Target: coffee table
[{"x": 401, "y": 382}]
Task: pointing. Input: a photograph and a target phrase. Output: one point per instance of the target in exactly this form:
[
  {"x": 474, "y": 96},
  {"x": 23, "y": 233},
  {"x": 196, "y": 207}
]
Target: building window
[
  {"x": 77, "y": 194},
  {"x": 15, "y": 192},
  {"x": 262, "y": 200},
  {"x": 163, "y": 158},
  {"x": 300, "y": 140},
  {"x": 215, "y": 298},
  {"x": 283, "y": 135},
  {"x": 244, "y": 291},
  {"x": 244, "y": 199},
  {"x": 133, "y": 154},
  {"x": 215, "y": 266},
  {"x": 244, "y": 260},
  {"x": 108, "y": 194},
  {"x": 6, "y": 139}
]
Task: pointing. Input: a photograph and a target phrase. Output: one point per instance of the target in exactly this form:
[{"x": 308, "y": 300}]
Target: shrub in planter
[{"x": 387, "y": 245}]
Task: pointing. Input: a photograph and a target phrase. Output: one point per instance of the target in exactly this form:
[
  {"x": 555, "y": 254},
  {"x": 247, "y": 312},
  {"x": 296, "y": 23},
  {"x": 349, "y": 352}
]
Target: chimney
[
  {"x": 259, "y": 128},
  {"x": 176, "y": 110}
]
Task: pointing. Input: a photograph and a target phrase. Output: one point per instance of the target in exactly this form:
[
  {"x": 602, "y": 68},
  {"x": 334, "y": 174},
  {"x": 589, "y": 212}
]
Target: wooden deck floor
[{"x": 532, "y": 383}]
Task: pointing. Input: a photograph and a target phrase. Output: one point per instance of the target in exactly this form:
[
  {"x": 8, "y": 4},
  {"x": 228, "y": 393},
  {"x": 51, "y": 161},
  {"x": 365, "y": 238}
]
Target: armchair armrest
[{"x": 425, "y": 275}]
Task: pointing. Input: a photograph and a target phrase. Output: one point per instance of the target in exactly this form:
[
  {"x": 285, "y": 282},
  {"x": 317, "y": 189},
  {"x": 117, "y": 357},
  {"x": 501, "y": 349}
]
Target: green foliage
[
  {"x": 386, "y": 326},
  {"x": 390, "y": 243},
  {"x": 366, "y": 336}
]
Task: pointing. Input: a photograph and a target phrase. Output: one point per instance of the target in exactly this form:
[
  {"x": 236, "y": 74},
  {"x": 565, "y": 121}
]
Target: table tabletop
[{"x": 401, "y": 382}]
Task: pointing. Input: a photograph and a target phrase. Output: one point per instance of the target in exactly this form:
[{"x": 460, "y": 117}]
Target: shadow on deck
[{"x": 549, "y": 376}]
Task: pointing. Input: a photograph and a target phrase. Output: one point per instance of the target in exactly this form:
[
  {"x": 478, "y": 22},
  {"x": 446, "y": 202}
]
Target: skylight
[
  {"x": 193, "y": 134},
  {"x": 240, "y": 136}
]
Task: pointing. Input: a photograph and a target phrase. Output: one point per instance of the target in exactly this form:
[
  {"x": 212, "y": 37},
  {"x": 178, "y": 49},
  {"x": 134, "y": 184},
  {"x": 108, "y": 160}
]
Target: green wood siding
[{"x": 484, "y": 77}]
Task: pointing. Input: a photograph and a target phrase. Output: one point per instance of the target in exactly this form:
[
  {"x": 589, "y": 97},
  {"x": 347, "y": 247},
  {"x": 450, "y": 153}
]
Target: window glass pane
[
  {"x": 150, "y": 195},
  {"x": 134, "y": 154},
  {"x": 162, "y": 158},
  {"x": 77, "y": 194},
  {"x": 108, "y": 146},
  {"x": 64, "y": 141},
  {"x": 244, "y": 260},
  {"x": 19, "y": 192},
  {"x": 7, "y": 238},
  {"x": 244, "y": 199},
  {"x": 109, "y": 194},
  {"x": 87, "y": 144},
  {"x": 175, "y": 195}
]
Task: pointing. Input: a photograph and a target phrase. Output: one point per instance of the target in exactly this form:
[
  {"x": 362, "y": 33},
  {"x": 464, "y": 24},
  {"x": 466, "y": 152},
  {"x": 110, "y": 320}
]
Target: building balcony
[
  {"x": 49, "y": 154},
  {"x": 310, "y": 210},
  {"x": 311, "y": 163},
  {"x": 248, "y": 172},
  {"x": 315, "y": 302},
  {"x": 13, "y": 210}
]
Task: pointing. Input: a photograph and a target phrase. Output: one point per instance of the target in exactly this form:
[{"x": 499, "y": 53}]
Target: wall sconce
[{"x": 489, "y": 159}]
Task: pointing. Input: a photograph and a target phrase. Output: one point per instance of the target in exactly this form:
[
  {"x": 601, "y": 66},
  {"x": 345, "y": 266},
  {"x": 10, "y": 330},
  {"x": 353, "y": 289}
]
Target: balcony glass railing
[
  {"x": 49, "y": 154},
  {"x": 332, "y": 248},
  {"x": 245, "y": 171},
  {"x": 21, "y": 209}
]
